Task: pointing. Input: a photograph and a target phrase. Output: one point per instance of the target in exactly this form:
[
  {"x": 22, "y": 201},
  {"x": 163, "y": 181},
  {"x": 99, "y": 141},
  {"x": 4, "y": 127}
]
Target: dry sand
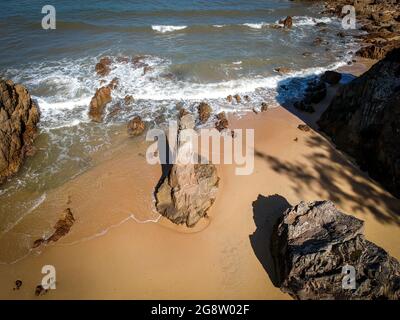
[{"x": 223, "y": 257}]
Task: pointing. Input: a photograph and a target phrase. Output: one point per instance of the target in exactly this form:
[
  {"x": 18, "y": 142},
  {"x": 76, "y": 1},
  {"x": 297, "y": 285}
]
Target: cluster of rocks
[
  {"x": 314, "y": 248},
  {"x": 19, "y": 117},
  {"x": 363, "y": 119},
  {"x": 381, "y": 19},
  {"x": 316, "y": 91}
]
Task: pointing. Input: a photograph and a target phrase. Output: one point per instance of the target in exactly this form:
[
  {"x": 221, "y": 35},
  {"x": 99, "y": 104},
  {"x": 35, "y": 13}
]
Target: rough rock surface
[
  {"x": 287, "y": 22},
  {"x": 364, "y": 120},
  {"x": 187, "y": 191},
  {"x": 103, "y": 66},
  {"x": 222, "y": 122},
  {"x": 98, "y": 103},
  {"x": 311, "y": 244},
  {"x": 204, "y": 110},
  {"x": 331, "y": 77},
  {"x": 62, "y": 227},
  {"x": 19, "y": 116},
  {"x": 136, "y": 126}
]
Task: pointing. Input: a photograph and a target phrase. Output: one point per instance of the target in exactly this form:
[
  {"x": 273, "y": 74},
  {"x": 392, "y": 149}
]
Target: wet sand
[{"x": 226, "y": 255}]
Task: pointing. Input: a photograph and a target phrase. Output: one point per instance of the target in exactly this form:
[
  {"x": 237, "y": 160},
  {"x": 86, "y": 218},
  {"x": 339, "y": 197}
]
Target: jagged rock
[
  {"x": 237, "y": 98},
  {"x": 331, "y": 77},
  {"x": 377, "y": 51},
  {"x": 136, "y": 126},
  {"x": 303, "y": 127},
  {"x": 204, "y": 111},
  {"x": 185, "y": 196},
  {"x": 19, "y": 117},
  {"x": 364, "y": 120},
  {"x": 264, "y": 106},
  {"x": 103, "y": 66},
  {"x": 129, "y": 99},
  {"x": 287, "y": 22},
  {"x": 311, "y": 244},
  {"x": 222, "y": 122},
  {"x": 98, "y": 103},
  {"x": 62, "y": 227}
]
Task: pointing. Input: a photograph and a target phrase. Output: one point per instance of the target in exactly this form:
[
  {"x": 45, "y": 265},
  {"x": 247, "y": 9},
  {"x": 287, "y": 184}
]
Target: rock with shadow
[{"x": 266, "y": 212}]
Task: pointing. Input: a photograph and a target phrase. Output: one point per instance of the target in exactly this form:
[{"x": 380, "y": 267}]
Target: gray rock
[{"x": 311, "y": 244}]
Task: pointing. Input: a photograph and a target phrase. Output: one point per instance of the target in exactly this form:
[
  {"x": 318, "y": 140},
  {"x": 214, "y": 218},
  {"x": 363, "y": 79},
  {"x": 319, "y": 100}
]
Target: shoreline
[{"x": 221, "y": 258}]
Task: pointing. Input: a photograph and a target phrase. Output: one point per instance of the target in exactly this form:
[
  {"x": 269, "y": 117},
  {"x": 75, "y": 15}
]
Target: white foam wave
[
  {"x": 164, "y": 29},
  {"x": 255, "y": 25},
  {"x": 309, "y": 21}
]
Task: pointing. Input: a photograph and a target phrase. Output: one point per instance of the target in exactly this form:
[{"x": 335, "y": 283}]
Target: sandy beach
[{"x": 226, "y": 256}]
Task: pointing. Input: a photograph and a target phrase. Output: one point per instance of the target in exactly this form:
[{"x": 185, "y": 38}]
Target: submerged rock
[
  {"x": 19, "y": 117},
  {"x": 204, "y": 111},
  {"x": 363, "y": 120},
  {"x": 313, "y": 243},
  {"x": 136, "y": 126},
  {"x": 98, "y": 103}
]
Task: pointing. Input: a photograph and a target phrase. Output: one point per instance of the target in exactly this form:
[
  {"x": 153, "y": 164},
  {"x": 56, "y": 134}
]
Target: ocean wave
[
  {"x": 164, "y": 29},
  {"x": 255, "y": 25}
]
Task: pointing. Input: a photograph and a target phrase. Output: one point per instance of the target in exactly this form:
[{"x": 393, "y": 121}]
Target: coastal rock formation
[
  {"x": 204, "y": 110},
  {"x": 128, "y": 99},
  {"x": 237, "y": 98},
  {"x": 287, "y": 22},
  {"x": 331, "y": 77},
  {"x": 19, "y": 116},
  {"x": 103, "y": 66},
  {"x": 222, "y": 121},
  {"x": 187, "y": 193},
  {"x": 364, "y": 120},
  {"x": 313, "y": 247},
  {"x": 62, "y": 227},
  {"x": 136, "y": 126},
  {"x": 98, "y": 103}
]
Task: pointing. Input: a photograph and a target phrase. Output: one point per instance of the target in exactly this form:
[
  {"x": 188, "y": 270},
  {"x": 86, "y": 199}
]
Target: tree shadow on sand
[
  {"x": 331, "y": 176},
  {"x": 266, "y": 212}
]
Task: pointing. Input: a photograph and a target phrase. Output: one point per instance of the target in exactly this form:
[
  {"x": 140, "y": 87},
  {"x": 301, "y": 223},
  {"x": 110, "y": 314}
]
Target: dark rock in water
[
  {"x": 314, "y": 244},
  {"x": 222, "y": 122},
  {"x": 317, "y": 41},
  {"x": 264, "y": 106},
  {"x": 302, "y": 106},
  {"x": 287, "y": 22},
  {"x": 204, "y": 111},
  {"x": 303, "y": 127},
  {"x": 331, "y": 77},
  {"x": 103, "y": 66},
  {"x": 128, "y": 99},
  {"x": 62, "y": 227},
  {"x": 364, "y": 120},
  {"x": 229, "y": 98},
  {"x": 98, "y": 103},
  {"x": 19, "y": 117},
  {"x": 136, "y": 126},
  {"x": 237, "y": 98},
  {"x": 315, "y": 92},
  {"x": 147, "y": 69},
  {"x": 320, "y": 24},
  {"x": 247, "y": 98},
  {"x": 341, "y": 34}
]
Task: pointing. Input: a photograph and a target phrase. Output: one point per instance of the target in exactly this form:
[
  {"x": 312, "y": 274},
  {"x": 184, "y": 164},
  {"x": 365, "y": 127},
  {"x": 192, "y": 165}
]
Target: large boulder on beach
[
  {"x": 364, "y": 120},
  {"x": 19, "y": 117},
  {"x": 98, "y": 103},
  {"x": 315, "y": 249}
]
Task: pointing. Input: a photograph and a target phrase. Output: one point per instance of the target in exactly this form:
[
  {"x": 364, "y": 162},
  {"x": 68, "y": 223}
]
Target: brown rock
[
  {"x": 331, "y": 77},
  {"x": 103, "y": 66},
  {"x": 229, "y": 98},
  {"x": 204, "y": 111},
  {"x": 136, "y": 126},
  {"x": 39, "y": 290},
  {"x": 264, "y": 107},
  {"x": 98, "y": 103},
  {"x": 19, "y": 116},
  {"x": 129, "y": 99},
  {"x": 282, "y": 70},
  {"x": 113, "y": 84},
  {"x": 147, "y": 69},
  {"x": 303, "y": 127},
  {"x": 287, "y": 22},
  {"x": 222, "y": 122},
  {"x": 237, "y": 98}
]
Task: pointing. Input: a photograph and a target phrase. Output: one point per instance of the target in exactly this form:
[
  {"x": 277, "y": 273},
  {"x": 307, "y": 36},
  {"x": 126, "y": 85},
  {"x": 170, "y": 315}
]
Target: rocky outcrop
[
  {"x": 185, "y": 194},
  {"x": 331, "y": 77},
  {"x": 98, "y": 103},
  {"x": 287, "y": 22},
  {"x": 315, "y": 92},
  {"x": 103, "y": 66},
  {"x": 204, "y": 111},
  {"x": 314, "y": 246},
  {"x": 364, "y": 121},
  {"x": 62, "y": 227},
  {"x": 19, "y": 117},
  {"x": 222, "y": 122},
  {"x": 136, "y": 126},
  {"x": 381, "y": 19}
]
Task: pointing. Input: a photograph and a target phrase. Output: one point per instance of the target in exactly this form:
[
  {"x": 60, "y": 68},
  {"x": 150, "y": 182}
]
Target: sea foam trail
[{"x": 164, "y": 29}]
